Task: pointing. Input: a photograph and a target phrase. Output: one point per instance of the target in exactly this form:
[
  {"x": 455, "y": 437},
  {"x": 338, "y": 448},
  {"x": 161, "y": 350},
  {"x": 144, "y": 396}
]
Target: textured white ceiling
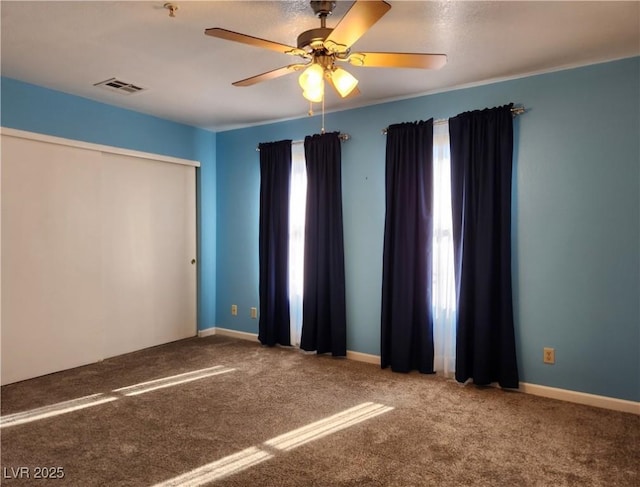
[{"x": 69, "y": 46}]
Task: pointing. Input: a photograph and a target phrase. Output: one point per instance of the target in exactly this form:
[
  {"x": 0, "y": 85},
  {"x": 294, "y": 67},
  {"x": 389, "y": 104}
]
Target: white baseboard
[
  {"x": 363, "y": 357},
  {"x": 534, "y": 389},
  {"x": 207, "y": 332},
  {"x": 242, "y": 335},
  {"x": 582, "y": 398},
  {"x": 357, "y": 356}
]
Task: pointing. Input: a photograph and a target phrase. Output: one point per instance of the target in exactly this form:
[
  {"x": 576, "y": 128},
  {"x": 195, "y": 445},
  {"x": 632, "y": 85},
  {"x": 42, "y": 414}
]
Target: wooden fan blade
[
  {"x": 358, "y": 19},
  {"x": 275, "y": 73},
  {"x": 250, "y": 40},
  {"x": 398, "y": 60}
]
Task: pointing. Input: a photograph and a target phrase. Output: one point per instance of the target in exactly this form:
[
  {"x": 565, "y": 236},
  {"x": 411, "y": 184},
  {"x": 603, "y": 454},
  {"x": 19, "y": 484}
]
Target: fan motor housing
[{"x": 313, "y": 38}]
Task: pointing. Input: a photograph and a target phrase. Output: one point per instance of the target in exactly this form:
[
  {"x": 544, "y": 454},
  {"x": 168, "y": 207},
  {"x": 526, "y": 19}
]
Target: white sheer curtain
[
  {"x": 297, "y": 205},
  {"x": 443, "y": 294}
]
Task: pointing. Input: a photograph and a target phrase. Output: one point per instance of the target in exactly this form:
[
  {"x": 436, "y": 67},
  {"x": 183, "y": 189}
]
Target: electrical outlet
[
  {"x": 234, "y": 309},
  {"x": 254, "y": 313},
  {"x": 549, "y": 355}
]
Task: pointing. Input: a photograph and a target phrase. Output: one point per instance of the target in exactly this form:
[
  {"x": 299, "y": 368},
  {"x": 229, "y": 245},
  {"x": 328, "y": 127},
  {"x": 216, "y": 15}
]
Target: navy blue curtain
[
  {"x": 275, "y": 177},
  {"x": 407, "y": 324},
  {"x": 481, "y": 170},
  {"x": 324, "y": 306}
]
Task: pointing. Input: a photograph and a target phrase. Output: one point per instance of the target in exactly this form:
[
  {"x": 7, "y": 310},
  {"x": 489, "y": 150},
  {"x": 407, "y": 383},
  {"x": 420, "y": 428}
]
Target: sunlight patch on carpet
[
  {"x": 327, "y": 426},
  {"x": 55, "y": 409},
  {"x": 218, "y": 469},
  {"x": 252, "y": 456},
  {"x": 153, "y": 385},
  {"x": 102, "y": 398}
]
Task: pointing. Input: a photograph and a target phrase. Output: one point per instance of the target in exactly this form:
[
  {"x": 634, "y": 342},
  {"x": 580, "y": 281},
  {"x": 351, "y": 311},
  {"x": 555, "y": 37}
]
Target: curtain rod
[
  {"x": 515, "y": 111},
  {"x": 341, "y": 136}
]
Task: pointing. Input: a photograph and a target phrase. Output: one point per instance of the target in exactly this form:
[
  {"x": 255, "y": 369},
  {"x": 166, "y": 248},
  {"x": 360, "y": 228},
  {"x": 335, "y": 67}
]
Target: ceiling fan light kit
[
  {"x": 323, "y": 47},
  {"x": 312, "y": 83},
  {"x": 343, "y": 81}
]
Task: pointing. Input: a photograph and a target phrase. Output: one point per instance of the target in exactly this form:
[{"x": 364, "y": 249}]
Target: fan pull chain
[{"x": 322, "y": 130}]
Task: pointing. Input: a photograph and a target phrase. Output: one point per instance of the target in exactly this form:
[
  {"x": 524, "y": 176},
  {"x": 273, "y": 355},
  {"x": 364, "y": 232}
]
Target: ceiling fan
[{"x": 324, "y": 48}]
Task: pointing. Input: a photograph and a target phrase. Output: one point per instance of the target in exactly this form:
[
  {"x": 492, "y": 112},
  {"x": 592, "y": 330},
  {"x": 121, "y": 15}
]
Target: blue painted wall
[
  {"x": 576, "y": 209},
  {"x": 576, "y": 219},
  {"x": 36, "y": 109}
]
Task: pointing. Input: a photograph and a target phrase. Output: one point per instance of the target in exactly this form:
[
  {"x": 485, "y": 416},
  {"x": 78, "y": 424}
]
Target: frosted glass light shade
[
  {"x": 315, "y": 94},
  {"x": 343, "y": 81},
  {"x": 312, "y": 77},
  {"x": 312, "y": 82}
]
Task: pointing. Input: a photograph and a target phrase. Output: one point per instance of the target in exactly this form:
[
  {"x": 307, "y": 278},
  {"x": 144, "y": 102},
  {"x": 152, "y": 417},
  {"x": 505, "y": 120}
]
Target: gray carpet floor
[{"x": 433, "y": 432}]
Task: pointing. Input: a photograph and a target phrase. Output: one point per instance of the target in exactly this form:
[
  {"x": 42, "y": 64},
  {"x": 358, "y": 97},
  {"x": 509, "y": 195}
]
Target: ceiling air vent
[{"x": 122, "y": 87}]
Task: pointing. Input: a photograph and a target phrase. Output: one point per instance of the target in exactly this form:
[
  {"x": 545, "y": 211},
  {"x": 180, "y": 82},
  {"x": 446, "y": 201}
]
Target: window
[
  {"x": 443, "y": 289},
  {"x": 443, "y": 284},
  {"x": 297, "y": 207}
]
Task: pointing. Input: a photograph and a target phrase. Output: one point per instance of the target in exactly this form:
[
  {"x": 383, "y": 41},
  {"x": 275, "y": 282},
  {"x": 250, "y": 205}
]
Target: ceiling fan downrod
[
  {"x": 313, "y": 39},
  {"x": 323, "y": 9}
]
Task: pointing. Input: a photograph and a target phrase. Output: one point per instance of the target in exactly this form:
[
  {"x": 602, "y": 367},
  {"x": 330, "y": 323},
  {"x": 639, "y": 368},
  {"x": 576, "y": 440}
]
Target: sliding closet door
[
  {"x": 51, "y": 265},
  {"x": 98, "y": 254},
  {"x": 148, "y": 244}
]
